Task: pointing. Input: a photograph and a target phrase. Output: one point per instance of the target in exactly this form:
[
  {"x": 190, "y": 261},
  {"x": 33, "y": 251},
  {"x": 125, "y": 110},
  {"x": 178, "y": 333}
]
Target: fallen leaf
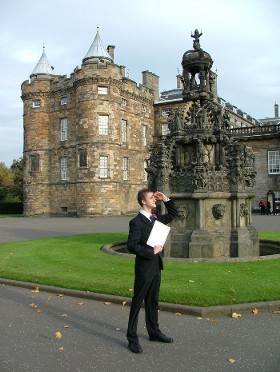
[
  {"x": 235, "y": 315},
  {"x": 255, "y": 311},
  {"x": 178, "y": 314},
  {"x": 64, "y": 315},
  {"x": 231, "y": 360},
  {"x": 61, "y": 348},
  {"x": 33, "y": 306},
  {"x": 191, "y": 281},
  {"x": 214, "y": 321},
  {"x": 58, "y": 335},
  {"x": 118, "y": 329},
  {"x": 107, "y": 303},
  {"x": 124, "y": 303},
  {"x": 276, "y": 312},
  {"x": 38, "y": 311},
  {"x": 130, "y": 290},
  {"x": 35, "y": 290},
  {"x": 65, "y": 326},
  {"x": 59, "y": 295},
  {"x": 81, "y": 303},
  {"x": 199, "y": 318}
]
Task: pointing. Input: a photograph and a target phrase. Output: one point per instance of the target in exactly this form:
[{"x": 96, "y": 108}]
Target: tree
[
  {"x": 6, "y": 181},
  {"x": 17, "y": 174}
]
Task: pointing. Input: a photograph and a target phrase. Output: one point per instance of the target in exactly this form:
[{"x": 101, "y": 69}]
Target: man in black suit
[{"x": 148, "y": 266}]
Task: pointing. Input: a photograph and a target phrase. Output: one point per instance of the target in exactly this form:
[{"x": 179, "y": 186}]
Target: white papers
[{"x": 158, "y": 234}]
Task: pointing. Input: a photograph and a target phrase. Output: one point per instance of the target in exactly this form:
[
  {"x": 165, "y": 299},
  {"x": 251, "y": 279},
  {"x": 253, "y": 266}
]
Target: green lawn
[
  {"x": 10, "y": 215},
  {"x": 77, "y": 262}
]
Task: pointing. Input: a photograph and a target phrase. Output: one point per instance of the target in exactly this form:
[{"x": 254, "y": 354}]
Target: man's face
[{"x": 149, "y": 200}]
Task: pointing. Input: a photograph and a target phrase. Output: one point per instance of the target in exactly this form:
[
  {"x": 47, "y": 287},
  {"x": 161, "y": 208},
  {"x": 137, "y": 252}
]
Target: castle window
[
  {"x": 103, "y": 90},
  {"x": 145, "y": 172},
  {"x": 63, "y": 101},
  {"x": 82, "y": 157},
  {"x": 34, "y": 163},
  {"x": 164, "y": 129},
  {"x": 124, "y": 131},
  {"x": 103, "y": 167},
  {"x": 63, "y": 129},
  {"x": 124, "y": 102},
  {"x": 37, "y": 103},
  {"x": 144, "y": 135},
  {"x": 64, "y": 168},
  {"x": 273, "y": 162},
  {"x": 103, "y": 124},
  {"x": 125, "y": 169}
]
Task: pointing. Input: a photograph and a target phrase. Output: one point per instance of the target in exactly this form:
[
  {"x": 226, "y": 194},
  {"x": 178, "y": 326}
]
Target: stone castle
[{"x": 87, "y": 136}]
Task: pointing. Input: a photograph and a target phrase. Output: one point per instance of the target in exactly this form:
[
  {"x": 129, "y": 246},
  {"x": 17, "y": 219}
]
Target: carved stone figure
[{"x": 218, "y": 211}]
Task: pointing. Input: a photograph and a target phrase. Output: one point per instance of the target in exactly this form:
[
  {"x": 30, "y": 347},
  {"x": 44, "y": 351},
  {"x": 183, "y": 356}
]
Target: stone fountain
[{"x": 209, "y": 175}]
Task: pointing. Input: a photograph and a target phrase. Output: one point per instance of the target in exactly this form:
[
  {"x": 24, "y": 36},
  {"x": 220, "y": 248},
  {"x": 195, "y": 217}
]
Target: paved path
[
  {"x": 15, "y": 229},
  {"x": 93, "y": 333},
  {"x": 93, "y": 338}
]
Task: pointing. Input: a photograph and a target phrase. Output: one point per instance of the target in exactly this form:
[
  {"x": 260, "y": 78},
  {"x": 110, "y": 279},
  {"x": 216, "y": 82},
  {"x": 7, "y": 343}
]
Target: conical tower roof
[
  {"x": 43, "y": 66},
  {"x": 97, "y": 50}
]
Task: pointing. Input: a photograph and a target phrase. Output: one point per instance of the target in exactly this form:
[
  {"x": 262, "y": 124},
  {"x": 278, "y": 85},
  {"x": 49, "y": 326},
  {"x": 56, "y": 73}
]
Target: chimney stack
[
  {"x": 111, "y": 51},
  {"x": 276, "y": 112}
]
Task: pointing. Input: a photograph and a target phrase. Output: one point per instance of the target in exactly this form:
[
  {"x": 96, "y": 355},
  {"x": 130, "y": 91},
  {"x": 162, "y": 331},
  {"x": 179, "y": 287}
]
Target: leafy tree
[
  {"x": 17, "y": 173},
  {"x": 6, "y": 181}
]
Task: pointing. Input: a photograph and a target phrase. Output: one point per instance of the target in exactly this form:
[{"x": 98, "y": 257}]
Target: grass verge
[{"x": 77, "y": 262}]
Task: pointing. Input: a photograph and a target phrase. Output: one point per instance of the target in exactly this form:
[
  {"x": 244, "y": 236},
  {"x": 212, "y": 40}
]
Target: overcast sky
[{"x": 242, "y": 37}]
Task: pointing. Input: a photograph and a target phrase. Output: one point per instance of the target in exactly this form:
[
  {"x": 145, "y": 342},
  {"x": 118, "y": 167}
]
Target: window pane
[
  {"x": 103, "y": 124},
  {"x": 37, "y": 103},
  {"x": 273, "y": 162},
  {"x": 145, "y": 173},
  {"x": 63, "y": 168},
  {"x": 34, "y": 163},
  {"x": 103, "y": 167},
  {"x": 125, "y": 169},
  {"x": 124, "y": 102},
  {"x": 144, "y": 135},
  {"x": 124, "y": 131},
  {"x": 82, "y": 157},
  {"x": 164, "y": 129},
  {"x": 102, "y": 90},
  {"x": 63, "y": 129}
]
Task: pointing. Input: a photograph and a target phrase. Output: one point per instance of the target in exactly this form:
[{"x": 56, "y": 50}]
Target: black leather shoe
[
  {"x": 135, "y": 347},
  {"x": 161, "y": 338}
]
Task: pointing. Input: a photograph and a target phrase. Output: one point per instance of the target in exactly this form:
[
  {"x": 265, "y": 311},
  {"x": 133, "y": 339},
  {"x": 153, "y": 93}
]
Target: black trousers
[{"x": 144, "y": 290}]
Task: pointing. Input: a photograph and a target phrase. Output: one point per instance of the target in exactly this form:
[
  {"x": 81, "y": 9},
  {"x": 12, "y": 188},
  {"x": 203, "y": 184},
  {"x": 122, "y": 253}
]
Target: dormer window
[{"x": 37, "y": 103}]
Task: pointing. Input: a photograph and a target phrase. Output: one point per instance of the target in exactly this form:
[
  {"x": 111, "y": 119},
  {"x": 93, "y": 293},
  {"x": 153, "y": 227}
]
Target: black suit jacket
[{"x": 146, "y": 262}]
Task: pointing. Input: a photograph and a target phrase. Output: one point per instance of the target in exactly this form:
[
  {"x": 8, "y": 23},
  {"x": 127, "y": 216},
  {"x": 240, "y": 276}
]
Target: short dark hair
[{"x": 142, "y": 194}]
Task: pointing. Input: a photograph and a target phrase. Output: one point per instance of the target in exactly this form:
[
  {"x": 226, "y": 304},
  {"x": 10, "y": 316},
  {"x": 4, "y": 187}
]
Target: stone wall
[{"x": 83, "y": 192}]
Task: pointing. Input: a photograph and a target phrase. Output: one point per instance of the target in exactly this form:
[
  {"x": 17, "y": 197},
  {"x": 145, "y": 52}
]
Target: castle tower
[{"x": 86, "y": 137}]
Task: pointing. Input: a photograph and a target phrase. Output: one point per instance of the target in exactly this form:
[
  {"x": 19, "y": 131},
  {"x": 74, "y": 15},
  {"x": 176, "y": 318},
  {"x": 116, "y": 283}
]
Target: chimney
[
  {"x": 151, "y": 81},
  {"x": 276, "y": 112},
  {"x": 111, "y": 51},
  {"x": 179, "y": 82}
]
